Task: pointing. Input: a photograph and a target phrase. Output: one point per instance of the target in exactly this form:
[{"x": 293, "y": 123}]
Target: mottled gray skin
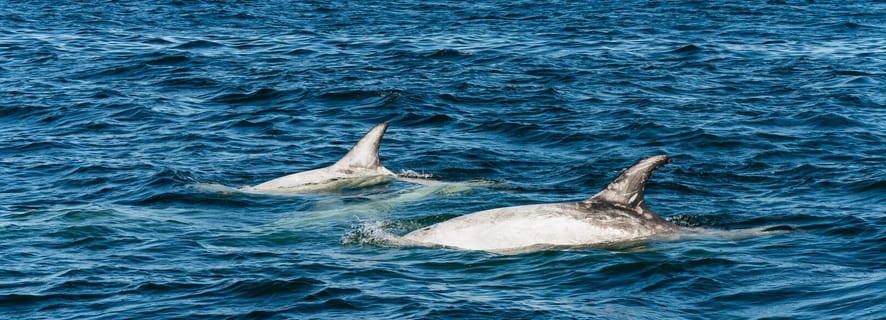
[
  {"x": 624, "y": 197},
  {"x": 360, "y": 167},
  {"x": 615, "y": 214}
]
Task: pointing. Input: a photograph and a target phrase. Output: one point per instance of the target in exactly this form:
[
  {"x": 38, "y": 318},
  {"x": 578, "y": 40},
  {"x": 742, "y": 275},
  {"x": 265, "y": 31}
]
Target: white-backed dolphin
[
  {"x": 360, "y": 167},
  {"x": 617, "y": 213}
]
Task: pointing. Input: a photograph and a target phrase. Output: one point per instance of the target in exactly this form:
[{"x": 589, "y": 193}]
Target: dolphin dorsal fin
[
  {"x": 627, "y": 190},
  {"x": 364, "y": 154}
]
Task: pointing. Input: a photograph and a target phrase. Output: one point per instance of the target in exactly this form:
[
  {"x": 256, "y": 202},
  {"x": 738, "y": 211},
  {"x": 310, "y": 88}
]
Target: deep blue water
[{"x": 112, "y": 112}]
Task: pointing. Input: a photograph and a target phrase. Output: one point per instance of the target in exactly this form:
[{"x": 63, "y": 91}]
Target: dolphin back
[{"x": 627, "y": 190}]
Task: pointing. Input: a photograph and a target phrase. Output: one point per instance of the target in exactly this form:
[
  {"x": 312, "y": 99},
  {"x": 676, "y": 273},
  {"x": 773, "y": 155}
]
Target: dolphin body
[
  {"x": 359, "y": 168},
  {"x": 618, "y": 213}
]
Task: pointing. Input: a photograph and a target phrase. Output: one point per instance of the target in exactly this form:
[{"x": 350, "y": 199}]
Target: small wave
[
  {"x": 359, "y": 94},
  {"x": 188, "y": 82},
  {"x": 827, "y": 120},
  {"x": 84, "y": 231},
  {"x": 35, "y": 147},
  {"x": 260, "y": 95},
  {"x": 165, "y": 287},
  {"x": 43, "y": 299},
  {"x": 107, "y": 93},
  {"x": 529, "y": 131},
  {"x": 299, "y": 52},
  {"x": 852, "y": 73},
  {"x": 90, "y": 235},
  {"x": 169, "y": 60},
  {"x": 852, "y": 26},
  {"x": 130, "y": 69},
  {"x": 413, "y": 119},
  {"x": 329, "y": 293},
  {"x": 81, "y": 215},
  {"x": 331, "y": 304},
  {"x": 267, "y": 288},
  {"x": 449, "y": 53},
  {"x": 198, "y": 44},
  {"x": 158, "y": 41},
  {"x": 359, "y": 99},
  {"x": 874, "y": 186},
  {"x": 22, "y": 111},
  {"x": 169, "y": 186},
  {"x": 182, "y": 197},
  {"x": 691, "y": 48},
  {"x": 862, "y": 82}
]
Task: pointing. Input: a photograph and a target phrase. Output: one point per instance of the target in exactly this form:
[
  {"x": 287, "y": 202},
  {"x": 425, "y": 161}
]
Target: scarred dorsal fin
[
  {"x": 627, "y": 190},
  {"x": 364, "y": 154}
]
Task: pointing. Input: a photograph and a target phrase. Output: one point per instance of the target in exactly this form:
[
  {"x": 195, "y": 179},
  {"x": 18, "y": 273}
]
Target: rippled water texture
[{"x": 113, "y": 115}]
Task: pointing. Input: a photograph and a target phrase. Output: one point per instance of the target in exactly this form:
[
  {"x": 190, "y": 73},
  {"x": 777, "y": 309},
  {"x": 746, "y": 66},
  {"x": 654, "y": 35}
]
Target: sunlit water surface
[{"x": 115, "y": 116}]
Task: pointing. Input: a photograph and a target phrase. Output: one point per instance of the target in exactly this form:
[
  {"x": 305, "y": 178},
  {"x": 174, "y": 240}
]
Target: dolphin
[
  {"x": 360, "y": 167},
  {"x": 618, "y": 213}
]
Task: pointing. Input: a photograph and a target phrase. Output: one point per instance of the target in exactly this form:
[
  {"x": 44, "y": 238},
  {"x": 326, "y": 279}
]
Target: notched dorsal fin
[
  {"x": 628, "y": 188},
  {"x": 364, "y": 154}
]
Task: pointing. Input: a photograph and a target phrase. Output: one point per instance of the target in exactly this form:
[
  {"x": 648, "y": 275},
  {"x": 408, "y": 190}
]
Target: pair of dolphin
[{"x": 618, "y": 213}]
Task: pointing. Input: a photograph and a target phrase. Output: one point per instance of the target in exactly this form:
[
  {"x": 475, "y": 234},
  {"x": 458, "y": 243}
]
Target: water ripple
[{"x": 117, "y": 116}]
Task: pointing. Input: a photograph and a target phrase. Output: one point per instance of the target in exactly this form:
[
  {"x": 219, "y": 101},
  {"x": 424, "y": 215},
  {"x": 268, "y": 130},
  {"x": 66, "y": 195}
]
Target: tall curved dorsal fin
[
  {"x": 364, "y": 154},
  {"x": 627, "y": 190}
]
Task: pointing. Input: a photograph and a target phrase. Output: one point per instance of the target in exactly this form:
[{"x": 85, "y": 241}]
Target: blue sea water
[{"x": 113, "y": 113}]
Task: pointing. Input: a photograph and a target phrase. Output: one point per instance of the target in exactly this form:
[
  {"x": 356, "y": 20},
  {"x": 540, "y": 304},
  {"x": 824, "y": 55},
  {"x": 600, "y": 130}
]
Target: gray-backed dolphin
[
  {"x": 360, "y": 167},
  {"x": 617, "y": 213}
]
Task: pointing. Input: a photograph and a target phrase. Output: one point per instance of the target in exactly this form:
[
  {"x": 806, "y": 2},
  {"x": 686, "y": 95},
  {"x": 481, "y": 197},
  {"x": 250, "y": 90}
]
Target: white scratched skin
[
  {"x": 617, "y": 213},
  {"x": 360, "y": 167},
  {"x": 517, "y": 227},
  {"x": 324, "y": 179}
]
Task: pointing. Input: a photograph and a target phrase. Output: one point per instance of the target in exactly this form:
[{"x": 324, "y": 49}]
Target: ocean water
[{"x": 115, "y": 114}]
